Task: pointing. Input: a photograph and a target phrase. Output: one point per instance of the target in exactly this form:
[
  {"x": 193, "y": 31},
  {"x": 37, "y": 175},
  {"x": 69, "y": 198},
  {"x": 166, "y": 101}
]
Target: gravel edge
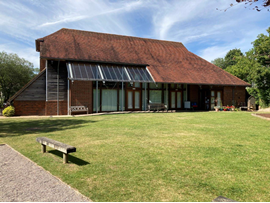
[{"x": 35, "y": 164}]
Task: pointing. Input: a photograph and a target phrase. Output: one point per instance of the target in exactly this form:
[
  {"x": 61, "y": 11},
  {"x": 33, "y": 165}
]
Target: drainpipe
[
  {"x": 145, "y": 96},
  {"x": 58, "y": 87},
  {"x": 122, "y": 104},
  {"x": 46, "y": 80}
]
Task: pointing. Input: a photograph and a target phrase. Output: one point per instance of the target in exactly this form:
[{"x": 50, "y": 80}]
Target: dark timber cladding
[
  {"x": 52, "y": 81},
  {"x": 36, "y": 91}
]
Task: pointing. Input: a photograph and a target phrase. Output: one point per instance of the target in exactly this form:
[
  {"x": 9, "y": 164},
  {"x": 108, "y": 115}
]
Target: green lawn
[{"x": 153, "y": 156}]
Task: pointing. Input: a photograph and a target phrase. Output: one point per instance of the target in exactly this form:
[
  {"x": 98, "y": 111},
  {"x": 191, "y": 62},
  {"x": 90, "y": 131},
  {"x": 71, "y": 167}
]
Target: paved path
[{"x": 22, "y": 180}]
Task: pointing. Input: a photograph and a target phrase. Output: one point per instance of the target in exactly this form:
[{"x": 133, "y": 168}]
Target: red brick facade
[
  {"x": 194, "y": 93},
  {"x": 234, "y": 96},
  {"x": 42, "y": 64},
  {"x": 28, "y": 108},
  {"x": 81, "y": 94},
  {"x": 51, "y": 108}
]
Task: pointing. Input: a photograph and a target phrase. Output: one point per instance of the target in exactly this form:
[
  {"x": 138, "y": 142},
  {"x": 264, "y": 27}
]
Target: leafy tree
[
  {"x": 262, "y": 81},
  {"x": 229, "y": 59},
  {"x": 244, "y": 67},
  {"x": 254, "y": 69},
  {"x": 261, "y": 52},
  {"x": 15, "y": 72},
  {"x": 262, "y": 48},
  {"x": 220, "y": 62}
]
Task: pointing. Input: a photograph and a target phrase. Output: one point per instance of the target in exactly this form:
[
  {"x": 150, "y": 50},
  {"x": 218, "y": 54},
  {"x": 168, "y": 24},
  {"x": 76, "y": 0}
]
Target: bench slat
[
  {"x": 78, "y": 109},
  {"x": 157, "y": 106},
  {"x": 56, "y": 145}
]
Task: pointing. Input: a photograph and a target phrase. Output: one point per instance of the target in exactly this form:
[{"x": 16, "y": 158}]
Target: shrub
[{"x": 9, "y": 111}]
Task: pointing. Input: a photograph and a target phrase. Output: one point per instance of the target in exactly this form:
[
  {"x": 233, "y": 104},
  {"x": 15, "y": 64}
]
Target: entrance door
[
  {"x": 205, "y": 99},
  {"x": 176, "y": 99},
  {"x": 133, "y": 100},
  {"x": 216, "y": 98}
]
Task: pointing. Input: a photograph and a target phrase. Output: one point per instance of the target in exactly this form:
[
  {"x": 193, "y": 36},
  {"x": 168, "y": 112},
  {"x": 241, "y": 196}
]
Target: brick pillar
[{"x": 81, "y": 94}]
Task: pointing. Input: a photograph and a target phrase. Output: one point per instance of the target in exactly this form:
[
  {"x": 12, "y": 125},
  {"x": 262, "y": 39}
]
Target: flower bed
[{"x": 225, "y": 108}]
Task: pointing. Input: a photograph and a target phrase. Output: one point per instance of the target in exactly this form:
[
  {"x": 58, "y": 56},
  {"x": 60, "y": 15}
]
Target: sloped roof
[{"x": 168, "y": 62}]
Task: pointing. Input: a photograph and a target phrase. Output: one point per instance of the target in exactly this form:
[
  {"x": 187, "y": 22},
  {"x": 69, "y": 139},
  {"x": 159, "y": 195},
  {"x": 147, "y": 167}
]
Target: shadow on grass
[
  {"x": 71, "y": 158},
  {"x": 14, "y": 128}
]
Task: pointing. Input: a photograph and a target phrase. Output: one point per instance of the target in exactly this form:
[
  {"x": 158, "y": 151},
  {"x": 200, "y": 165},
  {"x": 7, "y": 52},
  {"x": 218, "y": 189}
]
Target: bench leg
[
  {"x": 43, "y": 148},
  {"x": 65, "y": 158}
]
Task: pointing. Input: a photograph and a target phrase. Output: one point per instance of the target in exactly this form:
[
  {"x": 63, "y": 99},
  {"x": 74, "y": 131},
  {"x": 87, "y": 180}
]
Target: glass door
[
  {"x": 216, "y": 98},
  {"x": 133, "y": 100},
  {"x": 176, "y": 99}
]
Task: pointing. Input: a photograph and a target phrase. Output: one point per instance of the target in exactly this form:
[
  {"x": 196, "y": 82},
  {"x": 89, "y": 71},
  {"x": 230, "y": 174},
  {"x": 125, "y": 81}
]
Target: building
[{"x": 108, "y": 72}]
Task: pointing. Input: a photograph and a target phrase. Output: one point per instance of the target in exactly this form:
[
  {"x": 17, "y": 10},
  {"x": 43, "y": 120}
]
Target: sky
[{"x": 204, "y": 30}]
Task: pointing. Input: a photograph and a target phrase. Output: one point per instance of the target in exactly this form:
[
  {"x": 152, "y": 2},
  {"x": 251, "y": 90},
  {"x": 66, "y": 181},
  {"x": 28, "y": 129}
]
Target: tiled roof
[{"x": 168, "y": 62}]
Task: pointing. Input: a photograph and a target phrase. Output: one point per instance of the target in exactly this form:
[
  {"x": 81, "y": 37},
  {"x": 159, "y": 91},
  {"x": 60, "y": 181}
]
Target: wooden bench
[
  {"x": 157, "y": 106},
  {"x": 78, "y": 109},
  {"x": 243, "y": 108},
  {"x": 66, "y": 149}
]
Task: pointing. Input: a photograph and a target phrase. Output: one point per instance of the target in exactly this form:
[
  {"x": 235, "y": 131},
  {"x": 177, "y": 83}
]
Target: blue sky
[{"x": 204, "y": 30}]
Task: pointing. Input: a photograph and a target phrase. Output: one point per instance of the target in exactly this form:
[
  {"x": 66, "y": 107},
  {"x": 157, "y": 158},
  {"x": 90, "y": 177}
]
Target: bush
[{"x": 9, "y": 111}]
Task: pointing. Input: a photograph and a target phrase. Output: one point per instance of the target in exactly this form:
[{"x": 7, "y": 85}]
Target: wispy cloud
[{"x": 203, "y": 30}]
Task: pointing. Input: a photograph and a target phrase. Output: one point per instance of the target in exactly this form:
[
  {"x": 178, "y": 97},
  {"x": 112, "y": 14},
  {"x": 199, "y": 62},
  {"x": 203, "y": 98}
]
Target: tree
[
  {"x": 262, "y": 48},
  {"x": 15, "y": 72},
  {"x": 254, "y": 68},
  {"x": 262, "y": 88},
  {"x": 220, "y": 62},
  {"x": 229, "y": 59},
  {"x": 244, "y": 67}
]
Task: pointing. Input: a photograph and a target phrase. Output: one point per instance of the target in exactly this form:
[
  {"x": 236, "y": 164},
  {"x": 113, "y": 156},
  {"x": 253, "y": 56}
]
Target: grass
[{"x": 153, "y": 157}]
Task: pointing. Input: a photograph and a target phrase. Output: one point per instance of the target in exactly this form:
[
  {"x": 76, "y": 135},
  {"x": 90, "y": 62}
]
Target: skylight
[{"x": 103, "y": 72}]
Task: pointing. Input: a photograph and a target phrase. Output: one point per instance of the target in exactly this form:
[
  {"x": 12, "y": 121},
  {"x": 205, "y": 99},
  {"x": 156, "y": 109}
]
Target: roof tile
[{"x": 169, "y": 62}]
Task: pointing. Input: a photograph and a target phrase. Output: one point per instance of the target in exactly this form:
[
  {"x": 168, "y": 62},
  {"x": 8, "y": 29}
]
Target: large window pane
[
  {"x": 155, "y": 96},
  {"x": 137, "y": 100},
  {"x": 120, "y": 99},
  {"x": 172, "y": 100},
  {"x": 218, "y": 98},
  {"x": 137, "y": 84},
  {"x": 179, "y": 99},
  {"x": 130, "y": 100},
  {"x": 109, "y": 100},
  {"x": 155, "y": 85},
  {"x": 166, "y": 94},
  {"x": 94, "y": 100}
]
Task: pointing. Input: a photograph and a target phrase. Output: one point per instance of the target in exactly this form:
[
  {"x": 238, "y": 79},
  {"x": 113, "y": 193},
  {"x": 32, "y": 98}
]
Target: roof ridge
[
  {"x": 50, "y": 34},
  {"x": 127, "y": 36}
]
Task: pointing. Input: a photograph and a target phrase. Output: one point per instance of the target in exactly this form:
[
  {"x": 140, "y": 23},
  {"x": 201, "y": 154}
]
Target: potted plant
[{"x": 216, "y": 108}]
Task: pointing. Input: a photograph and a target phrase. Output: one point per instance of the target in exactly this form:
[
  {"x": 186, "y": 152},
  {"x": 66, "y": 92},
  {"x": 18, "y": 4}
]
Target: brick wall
[
  {"x": 236, "y": 94},
  {"x": 240, "y": 96},
  {"x": 81, "y": 94},
  {"x": 51, "y": 108},
  {"x": 228, "y": 96},
  {"x": 194, "y": 93},
  {"x": 42, "y": 64},
  {"x": 27, "y": 108}
]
